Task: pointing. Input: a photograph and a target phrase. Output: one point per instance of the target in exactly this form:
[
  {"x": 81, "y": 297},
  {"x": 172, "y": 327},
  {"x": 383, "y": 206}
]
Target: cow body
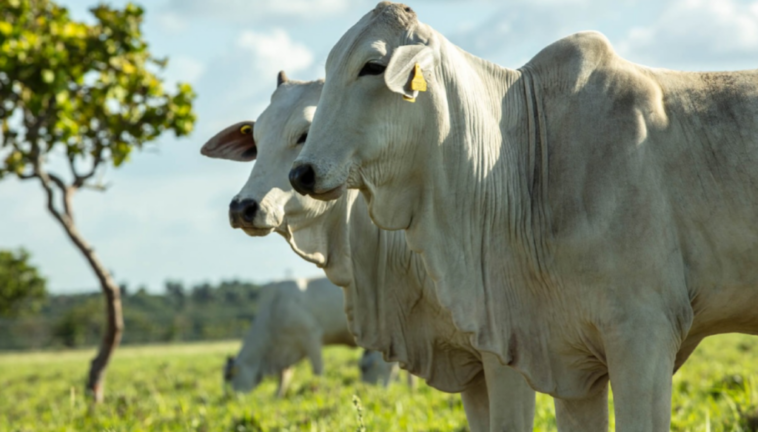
[{"x": 583, "y": 218}]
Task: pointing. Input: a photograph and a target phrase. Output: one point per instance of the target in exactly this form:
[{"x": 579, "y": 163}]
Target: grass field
[{"x": 178, "y": 388}]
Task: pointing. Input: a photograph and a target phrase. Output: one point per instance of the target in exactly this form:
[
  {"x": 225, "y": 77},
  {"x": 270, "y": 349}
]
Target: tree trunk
[
  {"x": 114, "y": 328},
  {"x": 114, "y": 325},
  {"x": 114, "y": 319}
]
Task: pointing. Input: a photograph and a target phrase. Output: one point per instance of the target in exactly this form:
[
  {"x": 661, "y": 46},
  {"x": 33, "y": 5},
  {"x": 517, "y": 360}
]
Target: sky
[{"x": 164, "y": 216}]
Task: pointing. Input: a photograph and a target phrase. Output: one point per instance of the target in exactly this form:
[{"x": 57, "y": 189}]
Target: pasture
[{"x": 178, "y": 388}]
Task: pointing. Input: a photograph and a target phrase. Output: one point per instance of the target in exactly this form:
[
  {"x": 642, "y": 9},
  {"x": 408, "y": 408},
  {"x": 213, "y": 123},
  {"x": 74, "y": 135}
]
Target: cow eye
[
  {"x": 302, "y": 138},
  {"x": 372, "y": 68}
]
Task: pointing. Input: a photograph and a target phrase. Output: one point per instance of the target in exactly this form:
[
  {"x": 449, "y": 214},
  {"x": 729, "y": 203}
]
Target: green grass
[{"x": 178, "y": 388}]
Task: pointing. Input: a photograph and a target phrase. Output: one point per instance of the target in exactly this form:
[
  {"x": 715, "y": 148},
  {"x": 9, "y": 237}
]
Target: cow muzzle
[
  {"x": 303, "y": 179},
  {"x": 242, "y": 213}
]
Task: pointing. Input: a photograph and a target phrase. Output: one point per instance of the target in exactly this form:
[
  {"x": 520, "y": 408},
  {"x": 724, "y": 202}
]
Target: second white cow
[{"x": 389, "y": 299}]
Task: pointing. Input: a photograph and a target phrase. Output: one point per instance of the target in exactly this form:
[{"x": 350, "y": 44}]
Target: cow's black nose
[
  {"x": 242, "y": 213},
  {"x": 303, "y": 179}
]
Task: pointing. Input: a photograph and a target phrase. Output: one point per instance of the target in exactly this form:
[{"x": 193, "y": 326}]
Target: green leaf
[
  {"x": 48, "y": 76},
  {"x": 5, "y": 28}
]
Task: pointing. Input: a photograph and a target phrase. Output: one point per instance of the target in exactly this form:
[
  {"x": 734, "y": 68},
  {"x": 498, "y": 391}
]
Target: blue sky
[{"x": 164, "y": 216}]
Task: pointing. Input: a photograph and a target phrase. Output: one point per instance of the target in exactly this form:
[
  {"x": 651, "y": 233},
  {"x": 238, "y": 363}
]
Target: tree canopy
[{"x": 89, "y": 89}]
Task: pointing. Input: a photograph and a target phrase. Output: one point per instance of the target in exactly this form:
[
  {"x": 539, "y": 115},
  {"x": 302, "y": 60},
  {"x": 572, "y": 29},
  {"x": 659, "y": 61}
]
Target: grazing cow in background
[
  {"x": 295, "y": 319},
  {"x": 389, "y": 299},
  {"x": 584, "y": 218},
  {"x": 374, "y": 370}
]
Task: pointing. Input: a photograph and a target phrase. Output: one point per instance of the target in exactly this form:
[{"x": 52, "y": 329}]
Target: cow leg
[
  {"x": 411, "y": 380},
  {"x": 640, "y": 366},
  {"x": 285, "y": 377},
  {"x": 476, "y": 403},
  {"x": 512, "y": 401},
  {"x": 314, "y": 355},
  {"x": 583, "y": 415},
  {"x": 392, "y": 376}
]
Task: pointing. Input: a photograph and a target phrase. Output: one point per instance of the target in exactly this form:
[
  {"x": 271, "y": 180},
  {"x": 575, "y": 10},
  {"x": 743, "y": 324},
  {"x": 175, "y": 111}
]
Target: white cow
[
  {"x": 295, "y": 319},
  {"x": 584, "y": 218},
  {"x": 389, "y": 300}
]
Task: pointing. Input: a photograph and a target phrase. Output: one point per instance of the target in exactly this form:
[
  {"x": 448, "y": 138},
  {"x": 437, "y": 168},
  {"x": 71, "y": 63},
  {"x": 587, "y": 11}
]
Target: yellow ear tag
[
  {"x": 246, "y": 129},
  {"x": 409, "y": 99},
  {"x": 418, "y": 82}
]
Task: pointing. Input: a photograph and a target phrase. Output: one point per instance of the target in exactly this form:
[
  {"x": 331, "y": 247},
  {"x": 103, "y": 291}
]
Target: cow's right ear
[
  {"x": 407, "y": 68},
  {"x": 233, "y": 143}
]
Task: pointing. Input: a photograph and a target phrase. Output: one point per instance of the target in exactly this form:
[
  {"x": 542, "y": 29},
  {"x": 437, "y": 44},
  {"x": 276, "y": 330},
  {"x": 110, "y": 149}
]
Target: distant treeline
[{"x": 203, "y": 312}]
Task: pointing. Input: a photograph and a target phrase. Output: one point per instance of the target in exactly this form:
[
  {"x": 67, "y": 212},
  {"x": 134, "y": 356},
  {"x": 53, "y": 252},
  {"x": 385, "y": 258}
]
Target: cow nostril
[
  {"x": 242, "y": 212},
  {"x": 308, "y": 177},
  {"x": 249, "y": 210},
  {"x": 234, "y": 213},
  {"x": 303, "y": 178}
]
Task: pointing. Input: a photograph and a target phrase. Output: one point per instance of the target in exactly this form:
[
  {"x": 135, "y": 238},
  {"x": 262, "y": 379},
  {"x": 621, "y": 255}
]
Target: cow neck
[
  {"x": 364, "y": 260},
  {"x": 391, "y": 307},
  {"x": 251, "y": 354},
  {"x": 317, "y": 237},
  {"x": 475, "y": 222},
  {"x": 344, "y": 238}
]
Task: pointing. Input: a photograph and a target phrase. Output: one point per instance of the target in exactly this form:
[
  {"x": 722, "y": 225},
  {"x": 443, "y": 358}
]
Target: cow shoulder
[
  {"x": 574, "y": 56},
  {"x": 586, "y": 66}
]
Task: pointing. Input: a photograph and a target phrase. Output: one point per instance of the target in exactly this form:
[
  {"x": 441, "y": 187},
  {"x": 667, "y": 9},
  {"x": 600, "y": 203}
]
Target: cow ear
[
  {"x": 281, "y": 78},
  {"x": 408, "y": 70},
  {"x": 233, "y": 143}
]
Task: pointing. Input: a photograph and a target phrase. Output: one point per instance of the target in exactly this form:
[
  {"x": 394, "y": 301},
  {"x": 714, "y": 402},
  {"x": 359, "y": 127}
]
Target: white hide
[
  {"x": 584, "y": 218},
  {"x": 390, "y": 301}
]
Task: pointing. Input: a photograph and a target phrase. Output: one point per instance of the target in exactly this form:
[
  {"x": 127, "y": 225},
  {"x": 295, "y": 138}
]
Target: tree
[
  {"x": 87, "y": 94},
  {"x": 79, "y": 324},
  {"x": 175, "y": 293},
  {"x": 22, "y": 289},
  {"x": 203, "y": 293}
]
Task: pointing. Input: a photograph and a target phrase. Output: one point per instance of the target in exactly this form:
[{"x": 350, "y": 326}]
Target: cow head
[
  {"x": 374, "y": 370},
  {"x": 242, "y": 378},
  {"x": 274, "y": 141},
  {"x": 381, "y": 81}
]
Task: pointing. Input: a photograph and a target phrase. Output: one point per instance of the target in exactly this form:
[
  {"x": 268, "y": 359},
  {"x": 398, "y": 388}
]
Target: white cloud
[
  {"x": 238, "y": 83},
  {"x": 274, "y": 51},
  {"x": 516, "y": 33},
  {"x": 677, "y": 34},
  {"x": 698, "y": 34},
  {"x": 183, "y": 69},
  {"x": 306, "y": 8},
  {"x": 247, "y": 11},
  {"x": 171, "y": 22}
]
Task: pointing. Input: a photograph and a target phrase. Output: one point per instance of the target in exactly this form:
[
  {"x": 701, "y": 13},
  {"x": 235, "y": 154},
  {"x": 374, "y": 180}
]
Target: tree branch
[
  {"x": 66, "y": 191},
  {"x": 96, "y": 187},
  {"x": 27, "y": 176},
  {"x": 47, "y": 180},
  {"x": 81, "y": 179}
]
